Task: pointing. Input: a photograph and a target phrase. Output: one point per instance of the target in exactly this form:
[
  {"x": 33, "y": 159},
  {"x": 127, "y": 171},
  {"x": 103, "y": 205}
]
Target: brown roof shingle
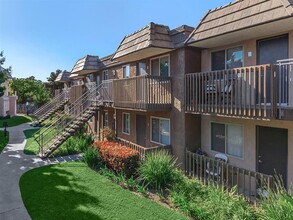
[
  {"x": 153, "y": 35},
  {"x": 238, "y": 15},
  {"x": 87, "y": 64}
]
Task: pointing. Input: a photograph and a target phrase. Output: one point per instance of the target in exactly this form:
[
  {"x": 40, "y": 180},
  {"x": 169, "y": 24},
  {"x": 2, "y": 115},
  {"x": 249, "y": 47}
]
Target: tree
[
  {"x": 31, "y": 90},
  {"x": 4, "y": 73},
  {"x": 51, "y": 80}
]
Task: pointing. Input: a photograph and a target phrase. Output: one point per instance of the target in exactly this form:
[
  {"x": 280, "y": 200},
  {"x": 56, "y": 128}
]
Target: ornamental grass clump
[
  {"x": 279, "y": 204},
  {"x": 120, "y": 159},
  {"x": 158, "y": 170},
  {"x": 92, "y": 157},
  {"x": 207, "y": 202}
]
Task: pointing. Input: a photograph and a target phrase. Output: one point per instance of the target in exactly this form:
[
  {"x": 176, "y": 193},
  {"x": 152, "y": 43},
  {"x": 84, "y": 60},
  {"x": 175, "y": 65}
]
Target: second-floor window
[
  {"x": 227, "y": 59},
  {"x": 105, "y": 75},
  {"x": 160, "y": 66},
  {"x": 126, "y": 71},
  {"x": 141, "y": 69}
]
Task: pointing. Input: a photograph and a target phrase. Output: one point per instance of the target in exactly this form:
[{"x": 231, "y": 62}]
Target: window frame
[
  {"x": 126, "y": 113},
  {"x": 125, "y": 66},
  {"x": 226, "y": 49},
  {"x": 106, "y": 112},
  {"x": 226, "y": 143},
  {"x": 105, "y": 73},
  {"x": 151, "y": 129},
  {"x": 159, "y": 57}
]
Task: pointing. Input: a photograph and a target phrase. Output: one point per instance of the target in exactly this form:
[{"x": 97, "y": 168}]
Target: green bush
[
  {"x": 75, "y": 144},
  {"x": 279, "y": 206},
  {"x": 158, "y": 170},
  {"x": 207, "y": 202},
  {"x": 92, "y": 157}
]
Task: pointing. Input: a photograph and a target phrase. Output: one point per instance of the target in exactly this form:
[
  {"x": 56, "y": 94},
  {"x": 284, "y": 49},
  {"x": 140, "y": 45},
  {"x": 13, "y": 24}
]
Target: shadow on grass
[
  {"x": 55, "y": 193},
  {"x": 74, "y": 191}
]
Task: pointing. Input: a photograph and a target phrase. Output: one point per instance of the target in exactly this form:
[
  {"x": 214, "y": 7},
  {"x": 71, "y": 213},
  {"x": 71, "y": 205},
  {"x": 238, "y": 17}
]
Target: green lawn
[
  {"x": 5, "y": 140},
  {"x": 31, "y": 146},
  {"x": 74, "y": 191},
  {"x": 16, "y": 120}
]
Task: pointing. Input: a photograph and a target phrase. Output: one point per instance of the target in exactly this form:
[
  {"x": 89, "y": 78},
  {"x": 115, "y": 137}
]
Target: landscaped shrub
[
  {"x": 207, "y": 202},
  {"x": 92, "y": 157},
  {"x": 158, "y": 170},
  {"x": 108, "y": 134},
  {"x": 75, "y": 144},
  {"x": 120, "y": 159},
  {"x": 279, "y": 206}
]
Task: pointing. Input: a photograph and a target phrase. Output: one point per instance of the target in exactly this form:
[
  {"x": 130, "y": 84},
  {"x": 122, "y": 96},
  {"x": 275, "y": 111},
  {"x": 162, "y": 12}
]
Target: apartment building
[
  {"x": 224, "y": 86},
  {"x": 244, "y": 89},
  {"x": 144, "y": 79}
]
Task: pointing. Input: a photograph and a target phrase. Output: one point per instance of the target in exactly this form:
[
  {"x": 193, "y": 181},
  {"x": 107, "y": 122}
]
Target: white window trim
[
  {"x": 224, "y": 123},
  {"x": 104, "y": 73},
  {"x": 125, "y": 113},
  {"x": 159, "y": 57},
  {"x": 151, "y": 127},
  {"x": 129, "y": 71},
  {"x": 225, "y": 49}
]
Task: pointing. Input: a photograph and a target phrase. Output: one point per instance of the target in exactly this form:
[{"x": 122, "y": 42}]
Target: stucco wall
[
  {"x": 249, "y": 160},
  {"x": 248, "y": 46}
]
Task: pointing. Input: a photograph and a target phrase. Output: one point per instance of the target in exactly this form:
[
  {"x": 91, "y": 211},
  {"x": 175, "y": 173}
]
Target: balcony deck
[
  {"x": 250, "y": 92},
  {"x": 144, "y": 93}
]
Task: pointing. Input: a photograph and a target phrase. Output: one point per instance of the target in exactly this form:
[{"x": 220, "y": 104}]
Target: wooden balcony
[
  {"x": 249, "y": 92},
  {"x": 146, "y": 93},
  {"x": 250, "y": 184}
]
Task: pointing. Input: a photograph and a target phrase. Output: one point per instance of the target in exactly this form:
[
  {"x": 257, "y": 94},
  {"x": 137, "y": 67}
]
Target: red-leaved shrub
[{"x": 118, "y": 158}]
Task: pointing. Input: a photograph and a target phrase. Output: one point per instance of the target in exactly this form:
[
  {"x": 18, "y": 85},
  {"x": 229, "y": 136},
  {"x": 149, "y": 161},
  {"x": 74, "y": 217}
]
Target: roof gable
[
  {"x": 238, "y": 15},
  {"x": 153, "y": 35}
]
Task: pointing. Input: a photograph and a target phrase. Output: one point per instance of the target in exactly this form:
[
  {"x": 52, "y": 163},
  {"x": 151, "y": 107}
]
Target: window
[
  {"x": 126, "y": 71},
  {"x": 227, "y": 139},
  {"x": 126, "y": 123},
  {"x": 160, "y": 129},
  {"x": 105, "y": 75},
  {"x": 160, "y": 66},
  {"x": 141, "y": 69},
  {"x": 227, "y": 59},
  {"x": 106, "y": 119}
]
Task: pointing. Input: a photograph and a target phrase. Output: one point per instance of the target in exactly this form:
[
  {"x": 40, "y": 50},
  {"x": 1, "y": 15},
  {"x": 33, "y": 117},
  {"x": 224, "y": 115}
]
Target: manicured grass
[
  {"x": 5, "y": 140},
  {"x": 16, "y": 120},
  {"x": 74, "y": 191},
  {"x": 31, "y": 146}
]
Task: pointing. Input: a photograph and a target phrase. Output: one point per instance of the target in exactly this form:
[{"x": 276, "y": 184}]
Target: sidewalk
[{"x": 13, "y": 163}]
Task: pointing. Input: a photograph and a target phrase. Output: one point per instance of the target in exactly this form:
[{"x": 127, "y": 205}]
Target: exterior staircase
[
  {"x": 56, "y": 104},
  {"x": 70, "y": 120}
]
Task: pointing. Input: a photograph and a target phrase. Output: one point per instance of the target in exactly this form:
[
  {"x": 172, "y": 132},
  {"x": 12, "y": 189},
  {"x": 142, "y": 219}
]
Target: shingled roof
[
  {"x": 63, "y": 77},
  {"x": 153, "y": 37},
  {"x": 86, "y": 65},
  {"x": 238, "y": 15}
]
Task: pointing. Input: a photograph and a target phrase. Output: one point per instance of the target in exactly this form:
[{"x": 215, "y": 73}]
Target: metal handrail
[
  {"x": 58, "y": 118},
  {"x": 46, "y": 108},
  {"x": 81, "y": 105}
]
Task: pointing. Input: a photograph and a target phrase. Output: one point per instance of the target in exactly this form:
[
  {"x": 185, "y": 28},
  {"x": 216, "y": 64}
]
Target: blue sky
[{"x": 40, "y": 36}]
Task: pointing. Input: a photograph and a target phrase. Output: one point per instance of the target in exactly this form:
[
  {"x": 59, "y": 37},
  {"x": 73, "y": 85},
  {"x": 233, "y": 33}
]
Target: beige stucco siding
[{"x": 249, "y": 126}]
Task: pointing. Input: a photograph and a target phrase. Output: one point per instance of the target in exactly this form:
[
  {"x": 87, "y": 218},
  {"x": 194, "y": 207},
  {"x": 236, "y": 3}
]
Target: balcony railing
[
  {"x": 143, "y": 151},
  {"x": 252, "y": 185},
  {"x": 241, "y": 92},
  {"x": 150, "y": 93}
]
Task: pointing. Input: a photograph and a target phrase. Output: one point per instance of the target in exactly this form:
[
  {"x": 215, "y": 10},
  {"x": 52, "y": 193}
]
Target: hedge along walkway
[{"x": 13, "y": 163}]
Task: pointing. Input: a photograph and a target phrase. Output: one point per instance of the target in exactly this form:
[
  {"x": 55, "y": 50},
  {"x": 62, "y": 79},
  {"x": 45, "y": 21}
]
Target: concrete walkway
[{"x": 13, "y": 163}]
